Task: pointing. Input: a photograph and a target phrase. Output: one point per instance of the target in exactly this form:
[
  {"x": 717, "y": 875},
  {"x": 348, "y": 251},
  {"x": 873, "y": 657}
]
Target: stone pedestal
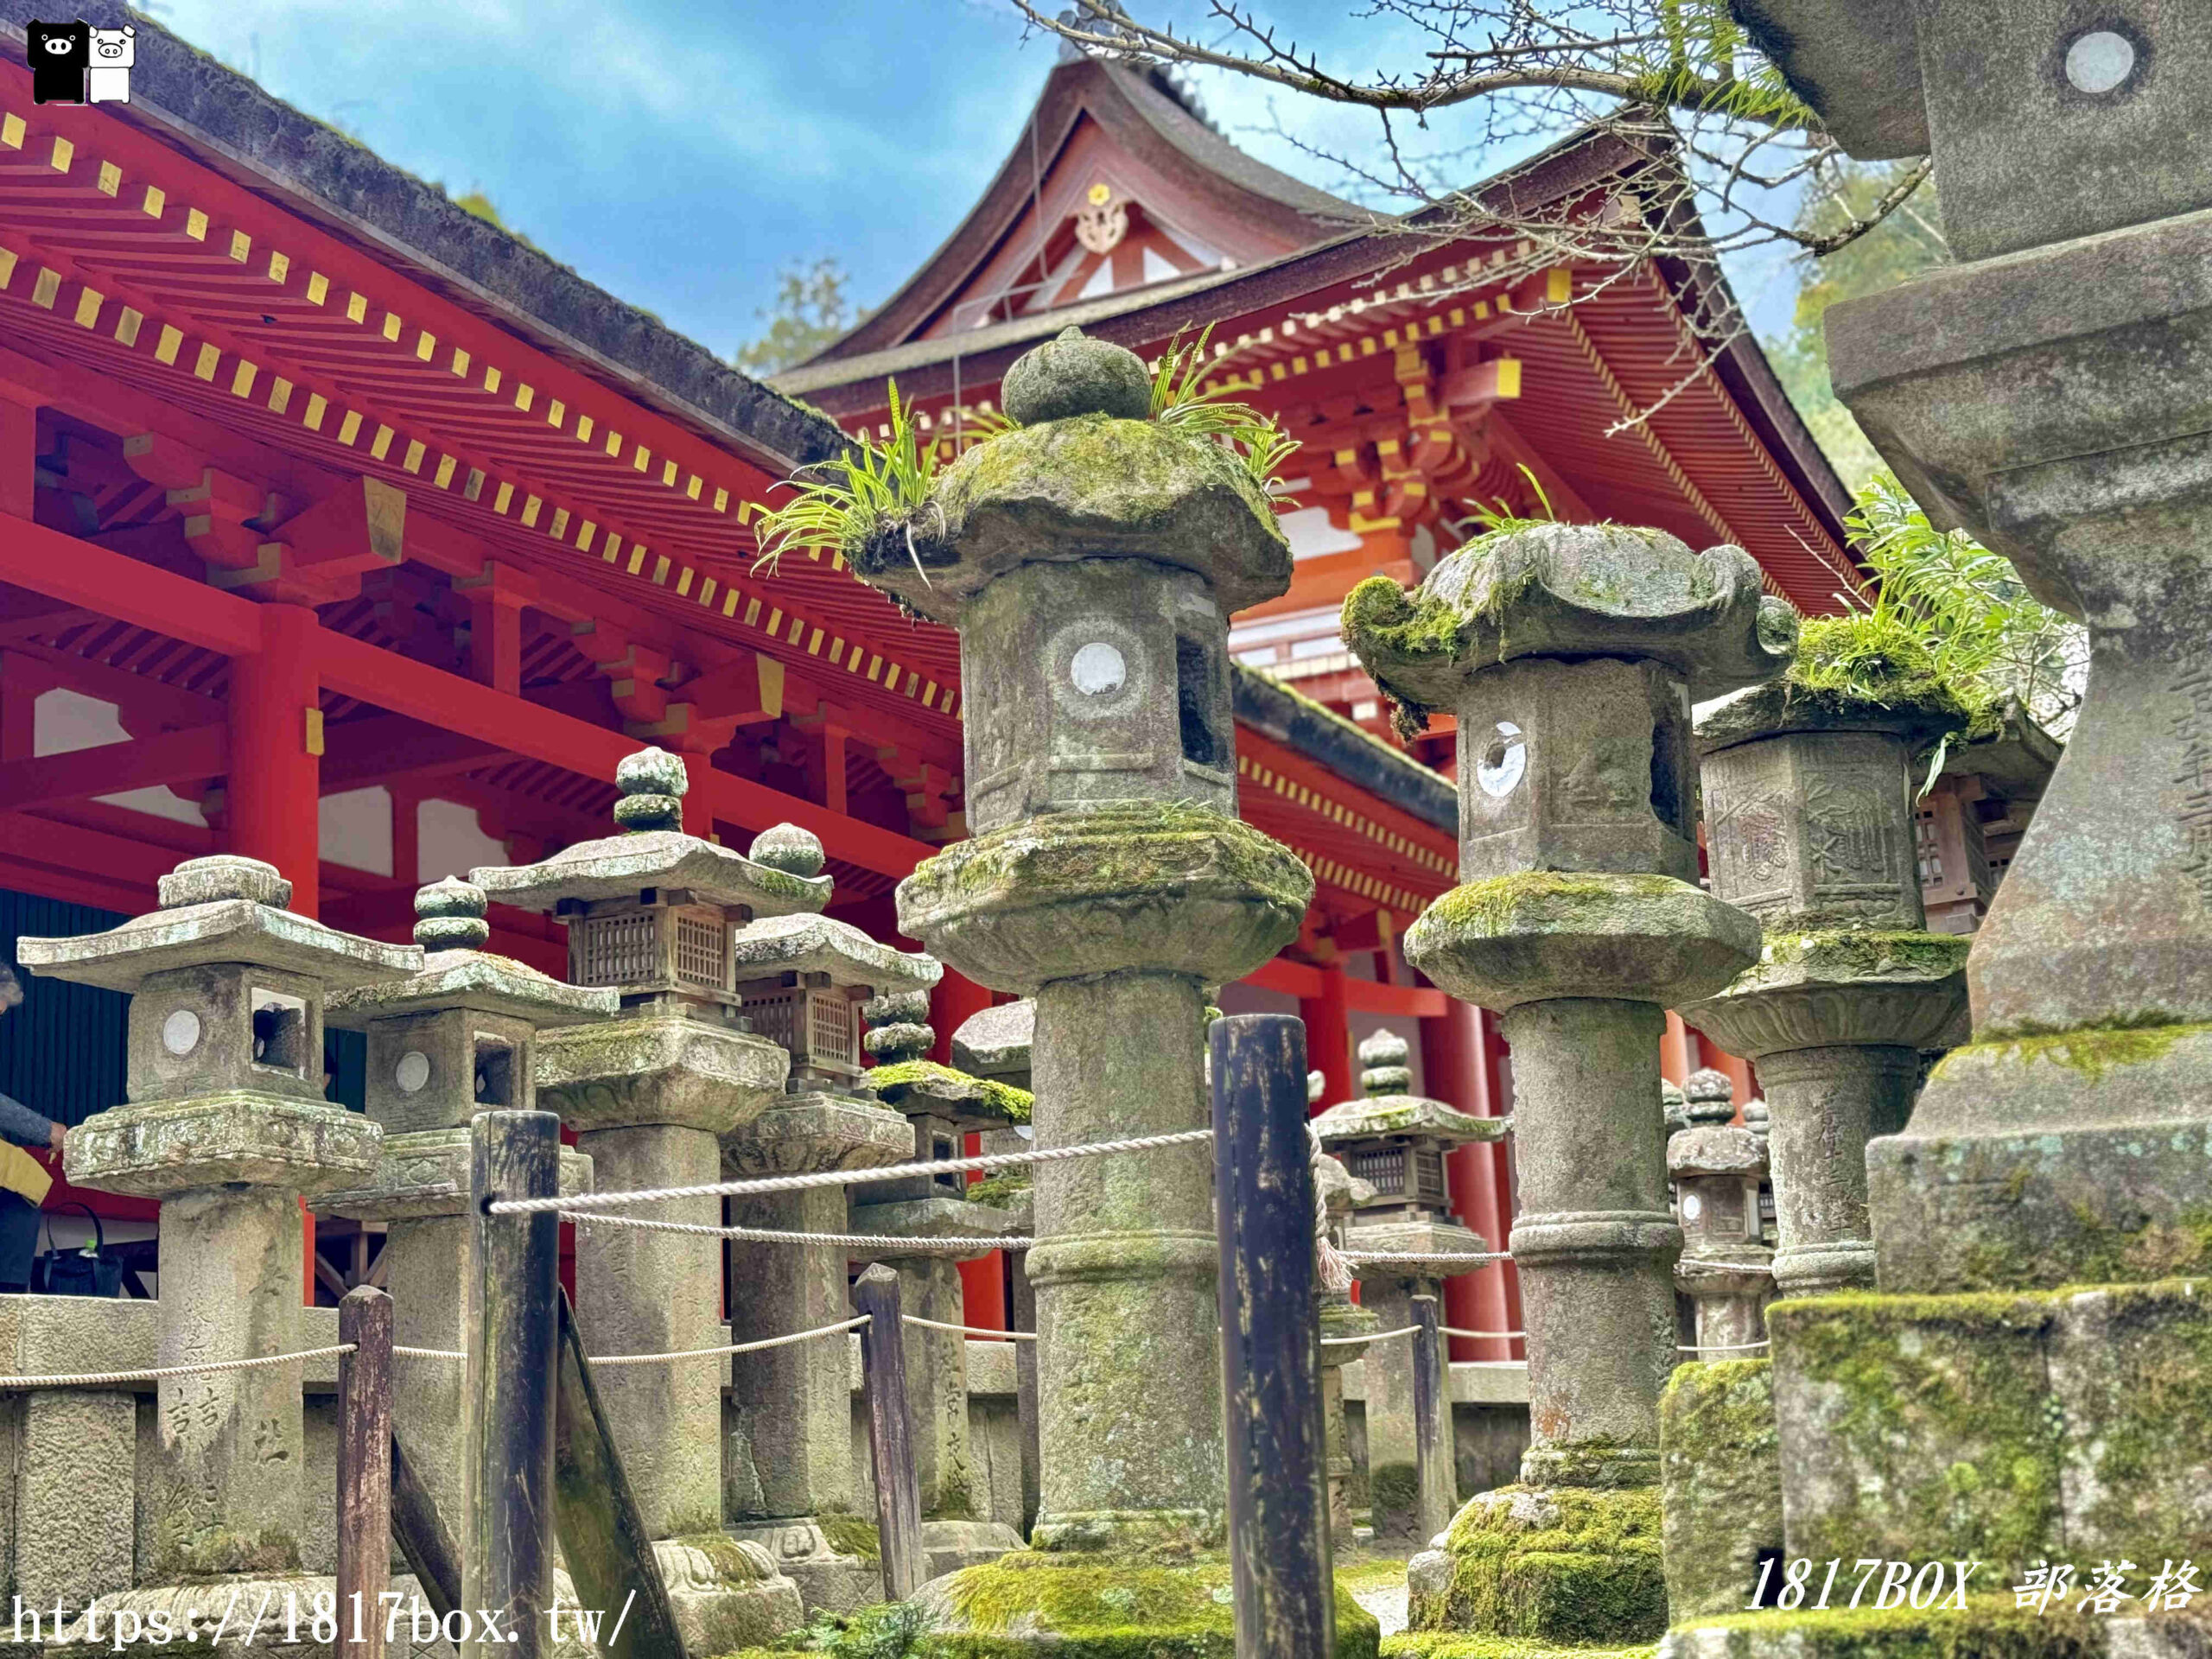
[
  {"x": 1090, "y": 558},
  {"x": 788, "y": 1466},
  {"x": 1809, "y": 812},
  {"x": 1570, "y": 655},
  {"x": 228, "y": 1127}
]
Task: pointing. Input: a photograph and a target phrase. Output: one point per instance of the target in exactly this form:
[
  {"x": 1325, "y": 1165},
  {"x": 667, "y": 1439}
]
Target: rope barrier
[
  {"x": 1380, "y": 1336},
  {"x": 158, "y": 1373},
  {"x": 969, "y": 1330},
  {"x": 1465, "y": 1260},
  {"x": 1482, "y": 1336},
  {"x": 770, "y": 1235},
  {"x": 735, "y": 1347},
  {"x": 848, "y": 1177},
  {"x": 1716, "y": 1347},
  {"x": 427, "y": 1353}
]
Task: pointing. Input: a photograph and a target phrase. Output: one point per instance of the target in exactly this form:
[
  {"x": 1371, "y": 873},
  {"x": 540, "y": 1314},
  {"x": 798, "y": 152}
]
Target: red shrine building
[{"x": 344, "y": 529}]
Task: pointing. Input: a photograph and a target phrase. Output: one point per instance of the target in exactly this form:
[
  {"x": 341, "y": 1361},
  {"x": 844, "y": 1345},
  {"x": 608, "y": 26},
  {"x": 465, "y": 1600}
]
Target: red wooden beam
[
  {"x": 355, "y": 668},
  {"x": 111, "y": 768},
  {"x": 80, "y": 573}
]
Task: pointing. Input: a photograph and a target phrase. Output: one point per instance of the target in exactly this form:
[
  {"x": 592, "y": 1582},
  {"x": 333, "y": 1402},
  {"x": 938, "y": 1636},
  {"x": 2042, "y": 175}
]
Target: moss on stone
[
  {"x": 1494, "y": 906},
  {"x": 1394, "y": 1490},
  {"x": 2092, "y": 1051},
  {"x": 1002, "y": 1188},
  {"x": 1991, "y": 1628},
  {"x": 1867, "y": 659},
  {"x": 192, "y": 1557},
  {"x": 1447, "y": 1644},
  {"x": 1720, "y": 1481},
  {"x": 730, "y": 1562},
  {"x": 851, "y": 1534},
  {"x": 888, "y": 1082},
  {"x": 2097, "y": 1252},
  {"x": 1564, "y": 1565}
]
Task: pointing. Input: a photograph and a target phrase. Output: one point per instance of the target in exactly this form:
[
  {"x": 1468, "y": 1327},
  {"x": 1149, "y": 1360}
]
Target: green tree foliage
[
  {"x": 813, "y": 306},
  {"x": 1903, "y": 244}
]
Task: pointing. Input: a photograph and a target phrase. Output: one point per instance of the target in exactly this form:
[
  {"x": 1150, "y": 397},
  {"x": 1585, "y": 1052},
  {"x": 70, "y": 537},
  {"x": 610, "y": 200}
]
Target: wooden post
[
  {"x": 603, "y": 1538},
  {"x": 364, "y": 1471},
  {"x": 424, "y": 1538},
  {"x": 1285, "y": 1596},
  {"x": 513, "y": 1361},
  {"x": 1025, "y": 1390},
  {"x": 1434, "y": 1487},
  {"x": 890, "y": 1435}
]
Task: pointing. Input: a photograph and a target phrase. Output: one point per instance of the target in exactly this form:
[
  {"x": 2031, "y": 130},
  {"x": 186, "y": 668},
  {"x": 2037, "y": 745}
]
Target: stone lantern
[
  {"x": 1724, "y": 1267},
  {"x": 2039, "y": 1226},
  {"x": 1396, "y": 1143},
  {"x": 1570, "y": 655},
  {"x": 945, "y": 1106},
  {"x": 457, "y": 1038},
  {"x": 1810, "y": 819},
  {"x": 227, "y": 1127},
  {"x": 650, "y": 912},
  {"x": 1090, "y": 558}
]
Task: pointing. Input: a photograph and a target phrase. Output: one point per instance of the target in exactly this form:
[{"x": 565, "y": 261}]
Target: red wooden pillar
[
  {"x": 1328, "y": 1037},
  {"x": 1677, "y": 1052},
  {"x": 982, "y": 1282},
  {"x": 275, "y": 785},
  {"x": 1452, "y": 1071}
]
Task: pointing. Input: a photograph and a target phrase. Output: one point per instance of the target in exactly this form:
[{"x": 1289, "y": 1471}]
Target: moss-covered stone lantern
[
  {"x": 651, "y": 912},
  {"x": 457, "y": 1038},
  {"x": 1809, "y": 789},
  {"x": 1396, "y": 1144},
  {"x": 1090, "y": 558},
  {"x": 227, "y": 1127},
  {"x": 1725, "y": 1269},
  {"x": 945, "y": 1106},
  {"x": 1570, "y": 655}
]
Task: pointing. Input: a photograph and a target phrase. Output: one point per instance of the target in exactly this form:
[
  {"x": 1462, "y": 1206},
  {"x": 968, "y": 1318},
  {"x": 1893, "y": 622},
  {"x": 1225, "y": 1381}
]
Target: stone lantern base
[
  {"x": 1570, "y": 1565},
  {"x": 1076, "y": 1604}
]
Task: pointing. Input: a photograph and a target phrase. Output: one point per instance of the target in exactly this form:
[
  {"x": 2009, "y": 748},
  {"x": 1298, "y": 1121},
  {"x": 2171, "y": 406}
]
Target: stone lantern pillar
[
  {"x": 945, "y": 1106},
  {"x": 1090, "y": 558},
  {"x": 1810, "y": 822},
  {"x": 1344, "y": 1322},
  {"x": 650, "y": 912},
  {"x": 226, "y": 1125},
  {"x": 789, "y": 1469},
  {"x": 457, "y": 1038},
  {"x": 1399, "y": 1144},
  {"x": 1725, "y": 1267},
  {"x": 1570, "y": 654}
]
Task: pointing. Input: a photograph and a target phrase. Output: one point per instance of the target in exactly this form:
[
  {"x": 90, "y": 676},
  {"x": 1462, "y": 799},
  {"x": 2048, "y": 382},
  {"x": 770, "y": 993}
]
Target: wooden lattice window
[
  {"x": 1428, "y": 1176},
  {"x": 702, "y": 950},
  {"x": 615, "y": 950},
  {"x": 1384, "y": 1167}
]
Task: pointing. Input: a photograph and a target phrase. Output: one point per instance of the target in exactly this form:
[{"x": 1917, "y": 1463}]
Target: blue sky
[{"x": 678, "y": 155}]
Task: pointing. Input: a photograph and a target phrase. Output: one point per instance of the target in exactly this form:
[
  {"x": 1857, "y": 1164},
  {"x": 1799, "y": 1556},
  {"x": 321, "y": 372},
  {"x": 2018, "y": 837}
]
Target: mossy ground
[
  {"x": 1444, "y": 1644},
  {"x": 1568, "y": 1565},
  {"x": 1073, "y": 1606}
]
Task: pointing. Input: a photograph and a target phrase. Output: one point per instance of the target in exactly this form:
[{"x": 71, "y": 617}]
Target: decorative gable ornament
[{"x": 1103, "y": 220}]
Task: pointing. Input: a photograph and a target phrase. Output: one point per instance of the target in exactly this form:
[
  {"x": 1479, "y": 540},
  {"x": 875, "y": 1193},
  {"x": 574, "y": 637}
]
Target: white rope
[
  {"x": 1380, "y": 1336},
  {"x": 1481, "y": 1336},
  {"x": 98, "y": 1379},
  {"x": 427, "y": 1353},
  {"x": 849, "y": 1240},
  {"x": 1335, "y": 1271},
  {"x": 848, "y": 1177},
  {"x": 735, "y": 1347},
  {"x": 1716, "y": 1347},
  {"x": 969, "y": 1330},
  {"x": 1459, "y": 1261}
]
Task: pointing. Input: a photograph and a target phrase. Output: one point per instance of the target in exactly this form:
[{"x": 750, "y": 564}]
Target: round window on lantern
[
  {"x": 2099, "y": 61},
  {"x": 413, "y": 1071},
  {"x": 1504, "y": 759},
  {"x": 1098, "y": 668}
]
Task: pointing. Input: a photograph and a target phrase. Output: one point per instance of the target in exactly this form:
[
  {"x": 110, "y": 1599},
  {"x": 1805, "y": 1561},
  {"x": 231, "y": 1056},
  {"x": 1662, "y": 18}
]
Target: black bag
[{"x": 90, "y": 1270}]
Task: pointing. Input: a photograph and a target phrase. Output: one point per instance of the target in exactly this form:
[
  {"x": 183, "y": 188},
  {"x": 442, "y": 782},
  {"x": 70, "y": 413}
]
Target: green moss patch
[
  {"x": 1865, "y": 659},
  {"x": 1500, "y": 905},
  {"x": 892, "y": 1083},
  {"x": 1721, "y": 1483},
  {"x": 849, "y": 1534},
  {"x": 183, "y": 1557},
  {"x": 2091, "y": 1050},
  {"x": 1990, "y": 1628},
  {"x": 1562, "y": 1565},
  {"x": 1001, "y": 1189},
  {"x": 1444, "y": 1644}
]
